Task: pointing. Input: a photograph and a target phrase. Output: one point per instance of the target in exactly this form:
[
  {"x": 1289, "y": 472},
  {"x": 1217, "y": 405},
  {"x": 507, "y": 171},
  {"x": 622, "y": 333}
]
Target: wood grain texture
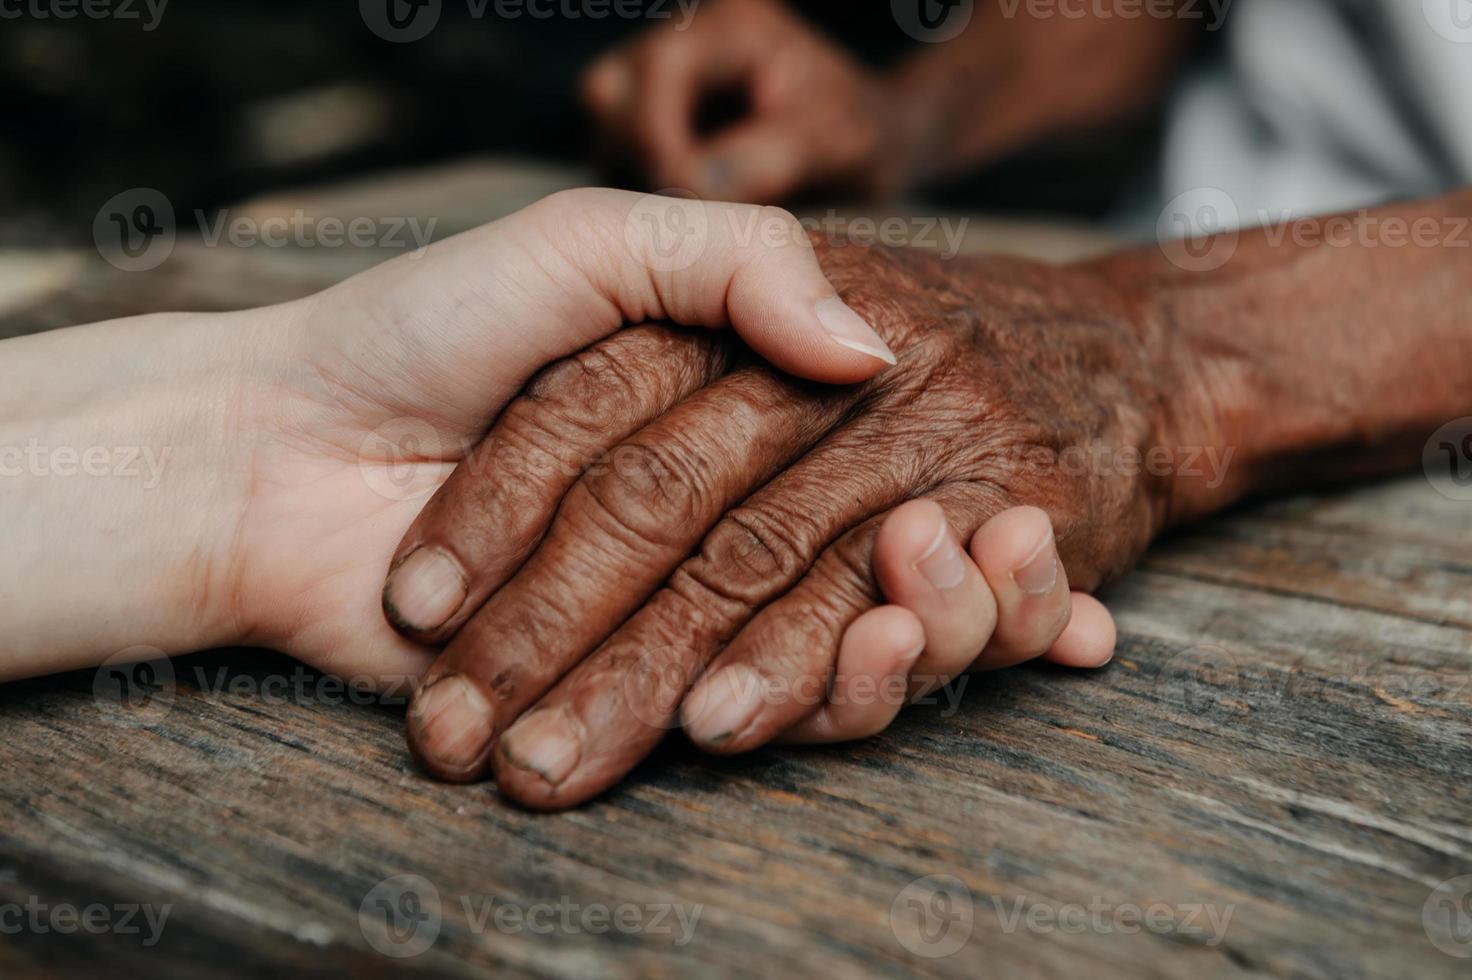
[{"x": 1283, "y": 739}]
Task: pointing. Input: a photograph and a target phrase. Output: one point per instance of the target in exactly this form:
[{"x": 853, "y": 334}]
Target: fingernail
[
  {"x": 454, "y": 723},
  {"x": 850, "y": 330},
  {"x": 943, "y": 565},
  {"x": 725, "y": 703},
  {"x": 425, "y": 591},
  {"x": 1039, "y": 573},
  {"x": 544, "y": 742}
]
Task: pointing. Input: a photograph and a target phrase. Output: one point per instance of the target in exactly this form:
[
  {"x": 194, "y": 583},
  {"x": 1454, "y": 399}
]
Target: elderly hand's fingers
[
  {"x": 617, "y": 536},
  {"x": 665, "y": 99},
  {"x": 770, "y": 289},
  {"x": 609, "y": 90},
  {"x": 789, "y": 649},
  {"x": 484, "y": 522},
  {"x": 871, "y": 682},
  {"x": 621, "y": 701}
]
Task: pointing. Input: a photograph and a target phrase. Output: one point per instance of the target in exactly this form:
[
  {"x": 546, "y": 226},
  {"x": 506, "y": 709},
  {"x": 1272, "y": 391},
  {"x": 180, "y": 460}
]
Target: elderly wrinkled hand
[{"x": 713, "y": 523}]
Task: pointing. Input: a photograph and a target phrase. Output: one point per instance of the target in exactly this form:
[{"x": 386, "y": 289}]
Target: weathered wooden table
[{"x": 1271, "y": 778}]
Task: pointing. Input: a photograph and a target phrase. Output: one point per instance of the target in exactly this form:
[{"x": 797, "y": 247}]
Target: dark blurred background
[{"x": 224, "y": 100}]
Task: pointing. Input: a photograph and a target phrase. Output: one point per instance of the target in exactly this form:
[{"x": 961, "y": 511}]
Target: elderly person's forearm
[{"x": 1328, "y": 348}]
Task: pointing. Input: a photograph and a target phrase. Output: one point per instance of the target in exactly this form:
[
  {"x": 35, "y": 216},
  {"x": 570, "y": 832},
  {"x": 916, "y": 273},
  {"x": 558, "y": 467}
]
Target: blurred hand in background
[
  {"x": 809, "y": 113},
  {"x": 808, "y": 116}
]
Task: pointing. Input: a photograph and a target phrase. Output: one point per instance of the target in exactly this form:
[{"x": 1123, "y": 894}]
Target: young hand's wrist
[{"x": 121, "y": 476}]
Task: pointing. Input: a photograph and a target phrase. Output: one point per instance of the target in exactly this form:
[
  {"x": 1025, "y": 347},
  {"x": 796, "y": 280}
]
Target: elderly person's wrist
[
  {"x": 1210, "y": 400},
  {"x": 1282, "y": 371}
]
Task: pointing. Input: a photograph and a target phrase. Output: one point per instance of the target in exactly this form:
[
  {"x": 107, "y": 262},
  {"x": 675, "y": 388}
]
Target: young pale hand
[
  {"x": 295, "y": 444},
  {"x": 385, "y": 382}
]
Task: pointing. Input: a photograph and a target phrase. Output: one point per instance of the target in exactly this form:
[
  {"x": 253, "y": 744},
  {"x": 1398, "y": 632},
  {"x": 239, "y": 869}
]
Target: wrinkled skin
[{"x": 735, "y": 510}]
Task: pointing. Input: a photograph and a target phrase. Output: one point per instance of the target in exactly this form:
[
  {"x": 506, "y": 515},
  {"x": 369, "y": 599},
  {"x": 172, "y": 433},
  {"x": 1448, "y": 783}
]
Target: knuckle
[
  {"x": 534, "y": 447},
  {"x": 583, "y": 388},
  {"x": 749, "y": 556},
  {"x": 850, "y": 561},
  {"x": 635, "y": 373},
  {"x": 841, "y": 584},
  {"x": 796, "y": 653},
  {"x": 656, "y": 492}
]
